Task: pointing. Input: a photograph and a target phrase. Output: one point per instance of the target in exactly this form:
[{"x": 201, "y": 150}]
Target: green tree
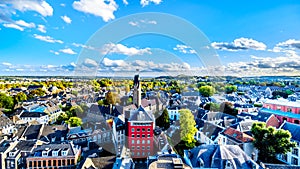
[
  {"x": 111, "y": 98},
  {"x": 212, "y": 107},
  {"x": 271, "y": 142},
  {"x": 61, "y": 118},
  {"x": 228, "y": 108},
  {"x": 187, "y": 128},
  {"x": 207, "y": 91},
  {"x": 77, "y": 111},
  {"x": 230, "y": 89},
  {"x": 74, "y": 121},
  {"x": 20, "y": 97},
  {"x": 100, "y": 102},
  {"x": 163, "y": 120},
  {"x": 6, "y": 102}
]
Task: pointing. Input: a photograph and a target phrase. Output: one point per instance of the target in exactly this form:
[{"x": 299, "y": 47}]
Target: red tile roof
[{"x": 238, "y": 135}]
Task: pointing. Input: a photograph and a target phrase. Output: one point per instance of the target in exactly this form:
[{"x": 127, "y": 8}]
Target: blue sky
[{"x": 47, "y": 37}]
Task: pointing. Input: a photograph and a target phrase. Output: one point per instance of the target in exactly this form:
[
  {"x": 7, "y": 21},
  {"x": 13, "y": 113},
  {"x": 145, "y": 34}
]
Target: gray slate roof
[
  {"x": 38, "y": 151},
  {"x": 25, "y": 145},
  {"x": 294, "y": 129},
  {"x": 4, "y": 121},
  {"x": 140, "y": 115},
  {"x": 216, "y": 156},
  {"x": 32, "y": 132}
]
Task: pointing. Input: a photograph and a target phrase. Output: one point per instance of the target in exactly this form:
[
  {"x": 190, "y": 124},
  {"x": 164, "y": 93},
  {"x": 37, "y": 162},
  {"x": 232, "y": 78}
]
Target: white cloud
[
  {"x": 54, "y": 52},
  {"x": 240, "y": 44},
  {"x": 125, "y": 2},
  {"x": 63, "y": 5},
  {"x": 68, "y": 51},
  {"x": 14, "y": 26},
  {"x": 6, "y": 64},
  {"x": 25, "y": 24},
  {"x": 40, "y": 6},
  {"x": 47, "y": 39},
  {"x": 142, "y": 22},
  {"x": 101, "y": 8},
  {"x": 113, "y": 63},
  {"x": 121, "y": 49},
  {"x": 184, "y": 49},
  {"x": 83, "y": 46},
  {"x": 66, "y": 19},
  {"x": 41, "y": 28},
  {"x": 147, "y": 2},
  {"x": 90, "y": 63},
  {"x": 290, "y": 43}
]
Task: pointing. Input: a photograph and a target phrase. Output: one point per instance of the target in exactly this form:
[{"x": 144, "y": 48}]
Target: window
[
  {"x": 296, "y": 121},
  {"x": 295, "y": 151},
  {"x": 143, "y": 148},
  {"x": 294, "y": 161},
  {"x": 143, "y": 130},
  {"x": 138, "y": 142},
  {"x": 132, "y": 129},
  {"x": 64, "y": 153},
  {"x": 143, "y": 136},
  {"x": 138, "y": 147},
  {"x": 148, "y": 135},
  {"x": 132, "y": 135},
  {"x": 30, "y": 163},
  {"x": 284, "y": 157},
  {"x": 289, "y": 109},
  {"x": 148, "y": 147},
  {"x": 54, "y": 162},
  {"x": 138, "y": 130},
  {"x": 148, "y": 141},
  {"x": 55, "y": 153},
  {"x": 143, "y": 141},
  {"x": 138, "y": 136},
  {"x": 44, "y": 163},
  {"x": 148, "y": 129},
  {"x": 132, "y": 141},
  {"x": 132, "y": 148}
]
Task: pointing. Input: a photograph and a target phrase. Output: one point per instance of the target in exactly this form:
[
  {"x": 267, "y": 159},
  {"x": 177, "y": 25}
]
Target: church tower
[{"x": 136, "y": 91}]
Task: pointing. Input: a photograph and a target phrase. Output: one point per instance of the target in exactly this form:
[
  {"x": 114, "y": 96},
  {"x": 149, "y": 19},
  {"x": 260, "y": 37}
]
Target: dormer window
[
  {"x": 45, "y": 153},
  {"x": 64, "y": 152},
  {"x": 228, "y": 164},
  {"x": 201, "y": 163},
  {"x": 53, "y": 139},
  {"x": 55, "y": 153},
  {"x": 11, "y": 154}
]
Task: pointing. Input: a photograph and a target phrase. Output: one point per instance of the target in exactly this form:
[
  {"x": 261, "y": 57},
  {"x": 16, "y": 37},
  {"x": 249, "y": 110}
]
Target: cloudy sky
[{"x": 49, "y": 37}]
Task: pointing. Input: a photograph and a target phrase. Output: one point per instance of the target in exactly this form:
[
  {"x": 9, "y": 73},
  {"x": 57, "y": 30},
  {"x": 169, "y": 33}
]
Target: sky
[{"x": 66, "y": 37}]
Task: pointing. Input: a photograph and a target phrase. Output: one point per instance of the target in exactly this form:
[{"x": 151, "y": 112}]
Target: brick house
[{"x": 54, "y": 156}]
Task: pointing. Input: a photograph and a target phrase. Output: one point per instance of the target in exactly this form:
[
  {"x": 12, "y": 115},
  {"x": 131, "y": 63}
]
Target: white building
[
  {"x": 174, "y": 112},
  {"x": 292, "y": 157},
  {"x": 119, "y": 133},
  {"x": 6, "y": 125},
  {"x": 40, "y": 117}
]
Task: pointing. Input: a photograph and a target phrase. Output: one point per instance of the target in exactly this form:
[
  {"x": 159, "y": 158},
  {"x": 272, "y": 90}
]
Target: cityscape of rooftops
[{"x": 149, "y": 84}]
